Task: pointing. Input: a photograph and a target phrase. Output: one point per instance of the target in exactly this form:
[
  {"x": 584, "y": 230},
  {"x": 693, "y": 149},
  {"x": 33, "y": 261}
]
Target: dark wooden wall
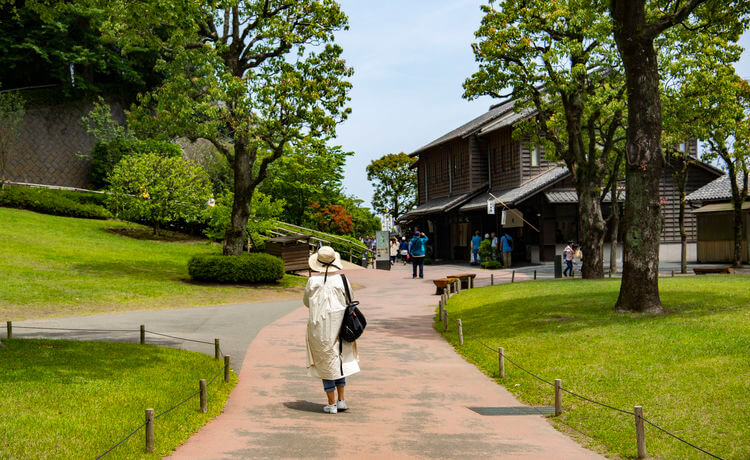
[
  {"x": 697, "y": 178},
  {"x": 528, "y": 171},
  {"x": 504, "y": 159}
]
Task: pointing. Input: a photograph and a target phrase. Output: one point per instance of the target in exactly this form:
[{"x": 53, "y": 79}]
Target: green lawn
[
  {"x": 689, "y": 369},
  {"x": 69, "y": 399},
  {"x": 54, "y": 266}
]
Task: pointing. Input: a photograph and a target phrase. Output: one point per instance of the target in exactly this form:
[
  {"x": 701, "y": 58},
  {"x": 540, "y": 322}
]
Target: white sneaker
[
  {"x": 341, "y": 405},
  {"x": 332, "y": 409}
]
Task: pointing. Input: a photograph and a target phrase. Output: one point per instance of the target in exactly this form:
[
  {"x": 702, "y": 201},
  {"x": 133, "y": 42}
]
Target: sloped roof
[
  {"x": 569, "y": 196},
  {"x": 718, "y": 189},
  {"x": 434, "y": 206},
  {"x": 472, "y": 126},
  {"x": 720, "y": 207},
  {"x": 516, "y": 195}
]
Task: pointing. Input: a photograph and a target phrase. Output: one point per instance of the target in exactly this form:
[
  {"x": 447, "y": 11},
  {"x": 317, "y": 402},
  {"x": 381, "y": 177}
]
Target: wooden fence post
[
  {"x": 492, "y": 279},
  {"x": 149, "y": 430},
  {"x": 640, "y": 435},
  {"x": 445, "y": 319},
  {"x": 458, "y": 285},
  {"x": 440, "y": 310},
  {"x": 9, "y": 325},
  {"x": 204, "y": 395},
  {"x": 513, "y": 276},
  {"x": 227, "y": 360},
  {"x": 501, "y": 361},
  {"x": 535, "y": 274},
  {"x": 217, "y": 349},
  {"x": 558, "y": 397},
  {"x": 460, "y": 332},
  {"x": 672, "y": 273},
  {"x": 143, "y": 334}
]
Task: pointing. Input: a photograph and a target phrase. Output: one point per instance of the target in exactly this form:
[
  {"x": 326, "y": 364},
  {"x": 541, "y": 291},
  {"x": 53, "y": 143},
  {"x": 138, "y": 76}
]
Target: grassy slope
[
  {"x": 688, "y": 369},
  {"x": 65, "y": 399},
  {"x": 53, "y": 266}
]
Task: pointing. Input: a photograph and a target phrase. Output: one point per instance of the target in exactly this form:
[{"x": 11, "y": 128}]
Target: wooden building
[
  {"x": 715, "y": 222},
  {"x": 480, "y": 161}
]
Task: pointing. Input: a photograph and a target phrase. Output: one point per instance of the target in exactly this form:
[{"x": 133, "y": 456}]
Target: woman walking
[
  {"x": 394, "y": 249},
  {"x": 417, "y": 252},
  {"x": 327, "y": 359}
]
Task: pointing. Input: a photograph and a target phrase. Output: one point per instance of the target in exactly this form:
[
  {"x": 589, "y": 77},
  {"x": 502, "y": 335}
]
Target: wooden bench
[
  {"x": 442, "y": 283},
  {"x": 467, "y": 279},
  {"x": 705, "y": 271}
]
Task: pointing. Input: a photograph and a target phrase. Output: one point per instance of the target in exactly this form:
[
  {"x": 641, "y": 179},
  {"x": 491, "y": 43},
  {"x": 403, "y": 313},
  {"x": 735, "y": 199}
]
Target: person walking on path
[
  {"x": 507, "y": 243},
  {"x": 403, "y": 249},
  {"x": 327, "y": 359},
  {"x": 493, "y": 245},
  {"x": 476, "y": 241},
  {"x": 568, "y": 254},
  {"x": 417, "y": 253},
  {"x": 394, "y": 249}
]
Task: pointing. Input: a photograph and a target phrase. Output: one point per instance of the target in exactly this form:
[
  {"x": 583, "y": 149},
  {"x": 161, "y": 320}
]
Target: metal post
[
  {"x": 227, "y": 361},
  {"x": 149, "y": 430},
  {"x": 501, "y": 361},
  {"x": 460, "y": 333},
  {"x": 204, "y": 395},
  {"x": 143, "y": 334},
  {"x": 217, "y": 349},
  {"x": 640, "y": 435},
  {"x": 558, "y": 397}
]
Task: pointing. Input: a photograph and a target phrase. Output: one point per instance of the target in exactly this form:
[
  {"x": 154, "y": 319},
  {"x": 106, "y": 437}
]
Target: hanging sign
[{"x": 491, "y": 206}]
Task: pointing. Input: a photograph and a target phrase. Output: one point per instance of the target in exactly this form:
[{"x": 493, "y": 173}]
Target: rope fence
[
  {"x": 150, "y": 417},
  {"x": 557, "y": 384}
]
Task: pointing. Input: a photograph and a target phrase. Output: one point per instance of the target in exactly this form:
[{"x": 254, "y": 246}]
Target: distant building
[{"x": 479, "y": 161}]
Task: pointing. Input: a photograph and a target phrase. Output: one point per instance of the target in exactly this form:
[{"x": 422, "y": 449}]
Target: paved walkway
[{"x": 409, "y": 401}]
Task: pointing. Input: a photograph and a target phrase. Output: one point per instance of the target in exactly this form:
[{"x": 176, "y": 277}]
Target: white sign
[
  {"x": 491, "y": 206},
  {"x": 512, "y": 218},
  {"x": 382, "y": 247}
]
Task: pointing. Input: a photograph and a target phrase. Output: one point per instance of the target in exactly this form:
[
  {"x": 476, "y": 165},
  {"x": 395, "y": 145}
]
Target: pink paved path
[{"x": 409, "y": 401}]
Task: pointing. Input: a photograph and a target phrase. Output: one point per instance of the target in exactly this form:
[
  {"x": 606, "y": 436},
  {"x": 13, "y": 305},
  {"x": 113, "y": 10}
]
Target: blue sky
[{"x": 410, "y": 59}]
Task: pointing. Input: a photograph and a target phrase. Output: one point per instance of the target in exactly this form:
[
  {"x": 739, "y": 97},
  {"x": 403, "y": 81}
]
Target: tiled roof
[
  {"x": 719, "y": 189},
  {"x": 570, "y": 196},
  {"x": 516, "y": 195},
  {"x": 472, "y": 126},
  {"x": 434, "y": 206}
]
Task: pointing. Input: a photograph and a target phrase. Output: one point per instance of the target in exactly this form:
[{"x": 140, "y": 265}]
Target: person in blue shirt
[
  {"x": 507, "y": 242},
  {"x": 475, "y": 242},
  {"x": 403, "y": 249},
  {"x": 417, "y": 252}
]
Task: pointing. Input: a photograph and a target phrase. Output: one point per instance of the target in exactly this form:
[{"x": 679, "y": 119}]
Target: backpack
[{"x": 353, "y": 324}]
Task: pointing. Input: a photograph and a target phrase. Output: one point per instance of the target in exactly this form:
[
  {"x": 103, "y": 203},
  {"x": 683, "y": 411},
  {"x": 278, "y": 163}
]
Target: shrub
[
  {"x": 485, "y": 251},
  {"x": 55, "y": 202},
  {"x": 491, "y": 264},
  {"x": 247, "y": 268},
  {"x": 106, "y": 154}
]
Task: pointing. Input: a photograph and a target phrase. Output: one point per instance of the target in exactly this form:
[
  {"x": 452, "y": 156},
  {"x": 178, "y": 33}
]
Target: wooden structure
[
  {"x": 708, "y": 271},
  {"x": 442, "y": 283},
  {"x": 293, "y": 250},
  {"x": 467, "y": 279},
  {"x": 460, "y": 171}
]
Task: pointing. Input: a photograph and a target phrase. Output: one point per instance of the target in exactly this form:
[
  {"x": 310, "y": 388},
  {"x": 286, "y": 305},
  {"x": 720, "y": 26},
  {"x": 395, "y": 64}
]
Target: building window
[{"x": 534, "y": 156}]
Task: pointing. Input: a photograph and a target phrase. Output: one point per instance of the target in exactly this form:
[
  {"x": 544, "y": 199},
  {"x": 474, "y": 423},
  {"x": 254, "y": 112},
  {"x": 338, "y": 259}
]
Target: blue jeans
[
  {"x": 475, "y": 253},
  {"x": 568, "y": 268},
  {"x": 330, "y": 385},
  {"x": 417, "y": 262}
]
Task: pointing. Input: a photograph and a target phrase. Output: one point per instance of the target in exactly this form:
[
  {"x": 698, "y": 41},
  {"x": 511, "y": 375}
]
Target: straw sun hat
[{"x": 326, "y": 257}]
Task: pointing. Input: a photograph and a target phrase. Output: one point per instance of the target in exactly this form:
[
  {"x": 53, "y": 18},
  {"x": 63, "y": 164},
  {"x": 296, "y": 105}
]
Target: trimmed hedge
[
  {"x": 247, "y": 268},
  {"x": 491, "y": 264},
  {"x": 55, "y": 202}
]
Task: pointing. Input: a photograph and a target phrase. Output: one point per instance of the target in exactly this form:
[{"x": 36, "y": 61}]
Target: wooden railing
[{"x": 342, "y": 245}]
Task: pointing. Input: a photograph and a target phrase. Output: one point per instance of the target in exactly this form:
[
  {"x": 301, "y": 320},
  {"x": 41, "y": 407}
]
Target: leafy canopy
[{"x": 395, "y": 184}]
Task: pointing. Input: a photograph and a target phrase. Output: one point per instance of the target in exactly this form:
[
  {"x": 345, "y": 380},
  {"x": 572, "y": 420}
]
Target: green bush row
[
  {"x": 247, "y": 268},
  {"x": 55, "y": 202},
  {"x": 491, "y": 264}
]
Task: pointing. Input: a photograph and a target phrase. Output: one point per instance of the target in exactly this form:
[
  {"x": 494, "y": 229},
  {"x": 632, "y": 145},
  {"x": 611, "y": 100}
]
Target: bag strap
[{"x": 346, "y": 289}]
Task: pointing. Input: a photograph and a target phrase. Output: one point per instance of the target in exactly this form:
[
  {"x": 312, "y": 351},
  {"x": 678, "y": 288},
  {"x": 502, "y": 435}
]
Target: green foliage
[
  {"x": 363, "y": 220},
  {"x": 158, "y": 189},
  {"x": 264, "y": 217},
  {"x": 689, "y": 375},
  {"x": 485, "y": 250},
  {"x": 12, "y": 110},
  {"x": 247, "y": 268},
  {"x": 491, "y": 264},
  {"x": 54, "y": 202},
  {"x": 70, "y": 380},
  {"x": 395, "y": 184}
]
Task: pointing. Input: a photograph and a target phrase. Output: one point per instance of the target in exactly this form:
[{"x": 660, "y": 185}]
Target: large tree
[
  {"x": 395, "y": 184},
  {"x": 637, "y": 23},
  {"x": 558, "y": 59},
  {"x": 255, "y": 77}
]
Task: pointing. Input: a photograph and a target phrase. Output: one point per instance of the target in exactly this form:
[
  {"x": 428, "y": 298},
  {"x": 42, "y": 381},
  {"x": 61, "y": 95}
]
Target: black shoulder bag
[{"x": 353, "y": 324}]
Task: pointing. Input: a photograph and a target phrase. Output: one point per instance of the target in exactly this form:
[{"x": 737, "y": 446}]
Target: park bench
[
  {"x": 705, "y": 271},
  {"x": 442, "y": 283},
  {"x": 467, "y": 279}
]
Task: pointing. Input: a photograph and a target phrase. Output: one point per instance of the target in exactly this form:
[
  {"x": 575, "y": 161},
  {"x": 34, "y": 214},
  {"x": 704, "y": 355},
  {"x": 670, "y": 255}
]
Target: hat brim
[{"x": 336, "y": 265}]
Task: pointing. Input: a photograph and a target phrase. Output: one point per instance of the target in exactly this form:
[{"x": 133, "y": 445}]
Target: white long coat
[{"x": 327, "y": 302}]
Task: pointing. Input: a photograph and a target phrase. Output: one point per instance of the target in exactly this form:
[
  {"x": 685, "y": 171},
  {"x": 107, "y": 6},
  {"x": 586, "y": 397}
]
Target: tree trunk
[
  {"x": 683, "y": 234},
  {"x": 592, "y": 230},
  {"x": 243, "y": 192},
  {"x": 739, "y": 230},
  {"x": 614, "y": 232},
  {"x": 639, "y": 290}
]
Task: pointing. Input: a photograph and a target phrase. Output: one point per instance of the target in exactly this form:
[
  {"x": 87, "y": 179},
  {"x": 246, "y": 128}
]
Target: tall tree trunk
[
  {"x": 738, "y": 197},
  {"x": 243, "y": 192},
  {"x": 683, "y": 234},
  {"x": 639, "y": 290},
  {"x": 614, "y": 231},
  {"x": 592, "y": 229}
]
